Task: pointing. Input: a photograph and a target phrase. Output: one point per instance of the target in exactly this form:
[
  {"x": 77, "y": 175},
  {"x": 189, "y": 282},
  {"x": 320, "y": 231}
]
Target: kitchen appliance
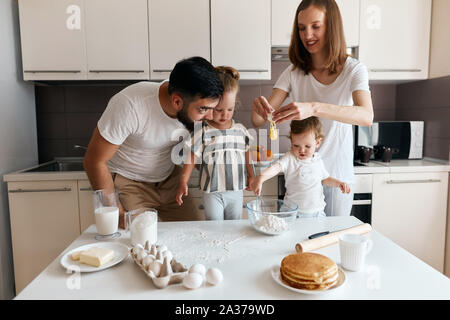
[
  {"x": 404, "y": 136},
  {"x": 362, "y": 196}
]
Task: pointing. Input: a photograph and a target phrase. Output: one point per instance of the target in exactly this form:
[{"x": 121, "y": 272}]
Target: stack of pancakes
[{"x": 309, "y": 271}]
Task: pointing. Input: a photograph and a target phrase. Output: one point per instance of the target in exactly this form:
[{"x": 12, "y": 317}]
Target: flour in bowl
[{"x": 271, "y": 224}]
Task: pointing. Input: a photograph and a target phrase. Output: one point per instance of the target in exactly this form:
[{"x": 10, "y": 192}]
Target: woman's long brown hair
[{"x": 335, "y": 45}]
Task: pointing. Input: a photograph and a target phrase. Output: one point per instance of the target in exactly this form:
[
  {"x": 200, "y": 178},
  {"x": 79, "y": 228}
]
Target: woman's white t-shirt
[
  {"x": 337, "y": 147},
  {"x": 135, "y": 120}
]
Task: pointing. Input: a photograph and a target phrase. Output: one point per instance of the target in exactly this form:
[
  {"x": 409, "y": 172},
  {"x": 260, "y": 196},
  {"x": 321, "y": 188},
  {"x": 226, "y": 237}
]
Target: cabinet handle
[
  {"x": 395, "y": 70},
  {"x": 86, "y": 189},
  {"x": 52, "y": 71},
  {"x": 39, "y": 190},
  {"x": 361, "y": 202},
  {"x": 116, "y": 71},
  {"x": 412, "y": 181},
  {"x": 162, "y": 70},
  {"x": 253, "y": 70}
]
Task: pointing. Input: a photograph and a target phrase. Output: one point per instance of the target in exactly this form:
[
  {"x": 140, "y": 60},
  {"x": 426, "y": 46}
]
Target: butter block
[
  {"x": 96, "y": 256},
  {"x": 76, "y": 255}
]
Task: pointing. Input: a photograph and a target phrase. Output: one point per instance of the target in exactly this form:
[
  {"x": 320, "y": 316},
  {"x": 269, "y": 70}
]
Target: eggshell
[
  {"x": 198, "y": 268},
  {"x": 155, "y": 267},
  {"x": 192, "y": 281},
  {"x": 214, "y": 276}
]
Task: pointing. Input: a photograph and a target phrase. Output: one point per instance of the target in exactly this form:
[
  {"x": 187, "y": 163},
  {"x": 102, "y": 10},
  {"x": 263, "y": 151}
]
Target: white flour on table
[{"x": 216, "y": 248}]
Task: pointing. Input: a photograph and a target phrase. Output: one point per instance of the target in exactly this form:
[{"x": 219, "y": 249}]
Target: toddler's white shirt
[{"x": 303, "y": 181}]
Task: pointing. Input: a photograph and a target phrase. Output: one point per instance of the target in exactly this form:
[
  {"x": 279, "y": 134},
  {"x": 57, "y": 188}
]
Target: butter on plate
[
  {"x": 96, "y": 256},
  {"x": 76, "y": 255}
]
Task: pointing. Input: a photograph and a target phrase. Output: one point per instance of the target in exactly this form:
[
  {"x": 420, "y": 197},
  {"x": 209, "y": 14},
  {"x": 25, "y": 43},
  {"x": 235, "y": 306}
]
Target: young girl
[
  {"x": 304, "y": 170},
  {"x": 222, "y": 146},
  {"x": 322, "y": 81}
]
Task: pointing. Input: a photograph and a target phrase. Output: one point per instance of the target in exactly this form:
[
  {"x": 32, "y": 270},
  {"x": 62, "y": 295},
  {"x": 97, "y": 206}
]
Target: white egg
[
  {"x": 137, "y": 248},
  {"x": 148, "y": 260},
  {"x": 192, "y": 281},
  {"x": 141, "y": 255},
  {"x": 155, "y": 267},
  {"x": 167, "y": 254},
  {"x": 198, "y": 268},
  {"x": 214, "y": 276}
]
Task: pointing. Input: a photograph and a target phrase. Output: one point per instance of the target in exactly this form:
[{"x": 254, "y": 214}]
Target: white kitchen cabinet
[
  {"x": 283, "y": 15},
  {"x": 117, "y": 39},
  {"x": 240, "y": 36},
  {"x": 174, "y": 33},
  {"x": 53, "y": 39},
  {"x": 85, "y": 204},
  {"x": 44, "y": 221},
  {"x": 439, "y": 42},
  {"x": 395, "y": 38},
  {"x": 411, "y": 209}
]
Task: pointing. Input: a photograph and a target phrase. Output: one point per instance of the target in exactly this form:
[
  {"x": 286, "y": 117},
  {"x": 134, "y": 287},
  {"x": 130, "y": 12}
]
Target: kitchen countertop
[
  {"x": 245, "y": 258},
  {"x": 395, "y": 166}
]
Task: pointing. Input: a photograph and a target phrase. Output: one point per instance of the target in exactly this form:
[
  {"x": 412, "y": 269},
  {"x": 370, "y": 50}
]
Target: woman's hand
[
  {"x": 262, "y": 107},
  {"x": 182, "y": 191},
  {"x": 293, "y": 111}
]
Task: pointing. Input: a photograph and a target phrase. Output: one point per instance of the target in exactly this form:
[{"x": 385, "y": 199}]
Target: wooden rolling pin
[{"x": 331, "y": 238}]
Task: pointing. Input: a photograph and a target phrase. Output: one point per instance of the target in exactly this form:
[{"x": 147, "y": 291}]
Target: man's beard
[{"x": 183, "y": 117}]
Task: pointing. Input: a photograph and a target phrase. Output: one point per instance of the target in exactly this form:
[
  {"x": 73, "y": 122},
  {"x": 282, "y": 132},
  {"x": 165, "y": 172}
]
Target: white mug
[{"x": 353, "y": 249}]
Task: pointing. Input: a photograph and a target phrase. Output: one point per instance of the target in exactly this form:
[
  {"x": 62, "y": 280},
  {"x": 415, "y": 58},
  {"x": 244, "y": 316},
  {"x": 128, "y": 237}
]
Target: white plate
[
  {"x": 120, "y": 253},
  {"x": 275, "y": 272}
]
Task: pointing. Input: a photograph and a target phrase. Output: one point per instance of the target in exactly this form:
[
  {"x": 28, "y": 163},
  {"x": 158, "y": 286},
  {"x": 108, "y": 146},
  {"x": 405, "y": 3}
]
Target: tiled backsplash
[
  {"x": 429, "y": 101},
  {"x": 68, "y": 114}
]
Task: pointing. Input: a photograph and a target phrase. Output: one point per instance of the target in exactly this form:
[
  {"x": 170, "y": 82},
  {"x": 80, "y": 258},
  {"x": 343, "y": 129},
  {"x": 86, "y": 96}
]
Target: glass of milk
[
  {"x": 106, "y": 211},
  {"x": 143, "y": 226}
]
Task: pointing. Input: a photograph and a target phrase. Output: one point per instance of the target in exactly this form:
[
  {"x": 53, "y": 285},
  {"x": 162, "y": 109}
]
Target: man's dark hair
[{"x": 195, "y": 78}]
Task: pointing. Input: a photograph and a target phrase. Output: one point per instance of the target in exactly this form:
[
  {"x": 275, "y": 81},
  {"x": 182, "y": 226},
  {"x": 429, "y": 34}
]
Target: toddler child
[{"x": 303, "y": 170}]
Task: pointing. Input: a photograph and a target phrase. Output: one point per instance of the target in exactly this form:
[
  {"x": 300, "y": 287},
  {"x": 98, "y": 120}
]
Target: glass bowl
[{"x": 271, "y": 216}]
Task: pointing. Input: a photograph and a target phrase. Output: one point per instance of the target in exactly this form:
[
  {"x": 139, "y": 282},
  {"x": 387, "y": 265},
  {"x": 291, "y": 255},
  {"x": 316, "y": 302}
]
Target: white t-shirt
[
  {"x": 135, "y": 120},
  {"x": 337, "y": 147},
  {"x": 303, "y": 181}
]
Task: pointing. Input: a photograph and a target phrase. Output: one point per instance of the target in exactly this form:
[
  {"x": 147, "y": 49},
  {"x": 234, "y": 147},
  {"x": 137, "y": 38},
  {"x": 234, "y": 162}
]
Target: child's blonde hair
[
  {"x": 309, "y": 124},
  {"x": 229, "y": 77}
]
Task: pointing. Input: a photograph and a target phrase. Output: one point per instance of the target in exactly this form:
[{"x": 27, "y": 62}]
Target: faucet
[{"x": 76, "y": 146}]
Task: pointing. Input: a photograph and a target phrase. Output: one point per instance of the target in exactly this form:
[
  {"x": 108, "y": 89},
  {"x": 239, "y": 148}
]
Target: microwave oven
[{"x": 405, "y": 137}]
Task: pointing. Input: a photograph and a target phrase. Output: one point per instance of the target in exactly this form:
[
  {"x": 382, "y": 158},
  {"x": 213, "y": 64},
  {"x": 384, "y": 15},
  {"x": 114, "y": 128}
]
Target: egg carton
[{"x": 171, "y": 271}]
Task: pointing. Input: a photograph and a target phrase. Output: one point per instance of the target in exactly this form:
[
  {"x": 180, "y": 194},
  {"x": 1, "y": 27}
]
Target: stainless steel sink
[{"x": 60, "y": 165}]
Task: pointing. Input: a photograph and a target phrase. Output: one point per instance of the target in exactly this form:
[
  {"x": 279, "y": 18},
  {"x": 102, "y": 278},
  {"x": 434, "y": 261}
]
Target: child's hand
[
  {"x": 345, "y": 188},
  {"x": 182, "y": 190},
  {"x": 257, "y": 186},
  {"x": 250, "y": 182}
]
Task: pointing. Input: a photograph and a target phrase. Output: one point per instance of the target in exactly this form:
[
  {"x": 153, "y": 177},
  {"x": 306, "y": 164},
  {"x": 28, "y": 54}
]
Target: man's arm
[{"x": 96, "y": 165}]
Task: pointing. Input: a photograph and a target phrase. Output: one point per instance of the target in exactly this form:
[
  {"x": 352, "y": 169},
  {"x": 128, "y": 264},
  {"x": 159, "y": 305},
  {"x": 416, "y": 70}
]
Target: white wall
[{"x": 18, "y": 137}]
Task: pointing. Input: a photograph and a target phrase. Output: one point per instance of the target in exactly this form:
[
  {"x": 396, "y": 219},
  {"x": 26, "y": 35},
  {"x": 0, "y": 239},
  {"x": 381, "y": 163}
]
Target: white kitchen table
[{"x": 245, "y": 258}]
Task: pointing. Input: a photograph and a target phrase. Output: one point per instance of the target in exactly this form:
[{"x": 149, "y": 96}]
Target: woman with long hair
[{"x": 322, "y": 81}]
